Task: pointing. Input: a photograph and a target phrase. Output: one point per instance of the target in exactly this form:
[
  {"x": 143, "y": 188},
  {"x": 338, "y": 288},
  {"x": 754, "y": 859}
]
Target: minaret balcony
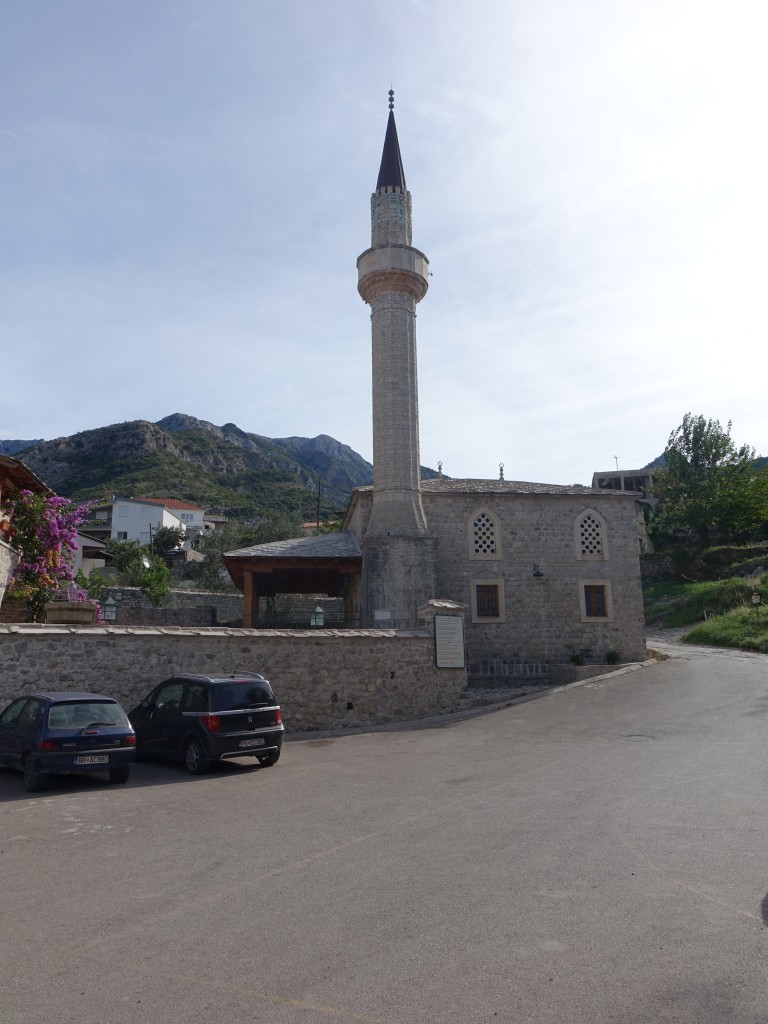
[{"x": 392, "y": 267}]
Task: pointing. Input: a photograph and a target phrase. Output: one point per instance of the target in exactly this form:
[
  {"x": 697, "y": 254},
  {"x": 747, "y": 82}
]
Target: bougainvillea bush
[{"x": 43, "y": 529}]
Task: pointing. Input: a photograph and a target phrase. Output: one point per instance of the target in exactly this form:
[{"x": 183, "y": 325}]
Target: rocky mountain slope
[
  {"x": 13, "y": 448},
  {"x": 180, "y": 456}
]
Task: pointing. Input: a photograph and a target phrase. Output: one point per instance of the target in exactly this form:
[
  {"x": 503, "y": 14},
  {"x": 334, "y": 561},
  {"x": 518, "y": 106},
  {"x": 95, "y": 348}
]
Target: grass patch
[
  {"x": 741, "y": 628},
  {"x": 680, "y": 603}
]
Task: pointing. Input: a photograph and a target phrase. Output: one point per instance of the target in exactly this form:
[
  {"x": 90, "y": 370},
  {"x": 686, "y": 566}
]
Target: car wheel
[
  {"x": 120, "y": 774},
  {"x": 195, "y": 760},
  {"x": 34, "y": 781},
  {"x": 267, "y": 760}
]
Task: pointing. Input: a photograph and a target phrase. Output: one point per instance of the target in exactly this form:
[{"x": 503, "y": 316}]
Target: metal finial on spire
[{"x": 391, "y": 172}]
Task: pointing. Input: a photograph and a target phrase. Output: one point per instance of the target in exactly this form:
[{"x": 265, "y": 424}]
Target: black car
[
  {"x": 61, "y": 733},
  {"x": 200, "y": 719}
]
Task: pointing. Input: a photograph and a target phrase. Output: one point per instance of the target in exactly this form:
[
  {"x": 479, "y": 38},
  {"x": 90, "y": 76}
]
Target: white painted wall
[{"x": 131, "y": 520}]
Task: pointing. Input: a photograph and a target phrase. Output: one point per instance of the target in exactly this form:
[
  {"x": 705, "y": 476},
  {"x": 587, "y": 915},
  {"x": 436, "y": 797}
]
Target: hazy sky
[{"x": 186, "y": 186}]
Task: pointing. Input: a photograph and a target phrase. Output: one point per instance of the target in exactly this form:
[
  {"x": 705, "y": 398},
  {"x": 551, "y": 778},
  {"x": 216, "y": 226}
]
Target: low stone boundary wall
[
  {"x": 323, "y": 679},
  {"x": 182, "y": 608}
]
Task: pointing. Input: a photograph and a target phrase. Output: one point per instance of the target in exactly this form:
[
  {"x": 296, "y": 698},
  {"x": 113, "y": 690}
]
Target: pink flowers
[{"x": 45, "y": 534}]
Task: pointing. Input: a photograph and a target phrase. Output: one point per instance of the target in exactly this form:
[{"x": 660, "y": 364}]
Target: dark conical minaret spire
[{"x": 391, "y": 173}]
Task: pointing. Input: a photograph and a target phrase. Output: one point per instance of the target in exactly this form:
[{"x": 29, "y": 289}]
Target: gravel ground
[{"x": 667, "y": 636}]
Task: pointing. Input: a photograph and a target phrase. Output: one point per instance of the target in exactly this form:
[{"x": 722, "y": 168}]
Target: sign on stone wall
[{"x": 449, "y": 641}]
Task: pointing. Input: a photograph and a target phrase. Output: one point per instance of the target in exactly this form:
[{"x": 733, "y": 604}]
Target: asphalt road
[{"x": 599, "y": 854}]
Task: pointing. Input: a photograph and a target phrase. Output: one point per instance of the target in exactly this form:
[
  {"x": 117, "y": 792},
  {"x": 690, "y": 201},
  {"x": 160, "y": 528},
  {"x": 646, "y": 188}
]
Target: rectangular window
[
  {"x": 487, "y": 597},
  {"x": 122, "y": 535},
  {"x": 122, "y": 510},
  {"x": 594, "y": 601}
]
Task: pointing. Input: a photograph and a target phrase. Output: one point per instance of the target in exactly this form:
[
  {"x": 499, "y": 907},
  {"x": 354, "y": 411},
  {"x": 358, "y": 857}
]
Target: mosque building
[{"x": 540, "y": 571}]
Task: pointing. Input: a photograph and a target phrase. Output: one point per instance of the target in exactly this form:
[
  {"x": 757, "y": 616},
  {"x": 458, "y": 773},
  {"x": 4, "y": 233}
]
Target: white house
[
  {"x": 138, "y": 519},
  {"x": 193, "y": 516},
  {"x": 89, "y": 555}
]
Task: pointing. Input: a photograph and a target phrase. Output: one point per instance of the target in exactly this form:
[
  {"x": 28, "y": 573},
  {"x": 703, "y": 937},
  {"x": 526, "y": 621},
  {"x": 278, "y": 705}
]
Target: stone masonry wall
[
  {"x": 542, "y": 620},
  {"x": 8, "y": 561},
  {"x": 399, "y": 575},
  {"x": 182, "y": 608},
  {"x": 323, "y": 679},
  {"x": 132, "y": 608}
]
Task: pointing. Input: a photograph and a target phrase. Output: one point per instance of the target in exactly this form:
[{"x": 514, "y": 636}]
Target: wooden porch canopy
[
  {"x": 15, "y": 476},
  {"x": 306, "y": 565}
]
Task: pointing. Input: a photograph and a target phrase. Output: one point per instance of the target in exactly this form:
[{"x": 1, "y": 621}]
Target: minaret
[{"x": 398, "y": 550}]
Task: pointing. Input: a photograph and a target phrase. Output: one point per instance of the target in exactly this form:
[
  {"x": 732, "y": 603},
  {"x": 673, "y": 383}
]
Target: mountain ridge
[{"x": 181, "y": 456}]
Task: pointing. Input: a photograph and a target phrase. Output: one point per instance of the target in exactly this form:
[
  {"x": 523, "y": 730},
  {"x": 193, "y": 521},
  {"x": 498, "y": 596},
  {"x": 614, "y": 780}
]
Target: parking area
[{"x": 594, "y": 855}]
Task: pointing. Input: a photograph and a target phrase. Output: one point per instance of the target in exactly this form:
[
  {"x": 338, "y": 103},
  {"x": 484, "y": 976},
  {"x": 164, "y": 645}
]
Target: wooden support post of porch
[{"x": 248, "y": 600}]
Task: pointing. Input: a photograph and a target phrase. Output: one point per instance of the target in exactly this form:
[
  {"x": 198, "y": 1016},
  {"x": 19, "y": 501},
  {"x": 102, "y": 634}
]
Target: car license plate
[
  {"x": 92, "y": 759},
  {"x": 252, "y": 743}
]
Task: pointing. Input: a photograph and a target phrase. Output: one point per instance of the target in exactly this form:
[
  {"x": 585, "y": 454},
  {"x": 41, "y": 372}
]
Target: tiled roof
[
  {"x": 170, "y": 503},
  {"x": 330, "y": 545},
  {"x": 20, "y": 476},
  {"x": 445, "y": 485}
]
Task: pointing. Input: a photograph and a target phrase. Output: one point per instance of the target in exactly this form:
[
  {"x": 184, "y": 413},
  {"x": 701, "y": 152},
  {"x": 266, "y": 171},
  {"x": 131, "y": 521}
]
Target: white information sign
[{"x": 449, "y": 641}]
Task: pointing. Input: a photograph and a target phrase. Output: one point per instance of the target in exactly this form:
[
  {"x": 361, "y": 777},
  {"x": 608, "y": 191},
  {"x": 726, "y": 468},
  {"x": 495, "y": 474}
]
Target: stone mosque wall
[{"x": 541, "y": 618}]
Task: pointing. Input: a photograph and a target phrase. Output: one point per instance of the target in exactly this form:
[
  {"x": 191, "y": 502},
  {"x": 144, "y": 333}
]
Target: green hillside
[{"x": 244, "y": 475}]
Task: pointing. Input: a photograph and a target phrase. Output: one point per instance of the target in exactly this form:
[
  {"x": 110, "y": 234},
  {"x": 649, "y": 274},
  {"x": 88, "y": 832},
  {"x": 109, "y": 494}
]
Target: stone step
[
  {"x": 478, "y": 697},
  {"x": 506, "y": 682}
]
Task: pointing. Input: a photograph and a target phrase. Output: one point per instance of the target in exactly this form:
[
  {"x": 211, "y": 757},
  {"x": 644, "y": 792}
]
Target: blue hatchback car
[{"x": 62, "y": 733}]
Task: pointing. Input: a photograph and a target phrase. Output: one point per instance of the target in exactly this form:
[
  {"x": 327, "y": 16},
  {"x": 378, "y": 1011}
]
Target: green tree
[
  {"x": 330, "y": 526},
  {"x": 211, "y": 573},
  {"x": 708, "y": 487},
  {"x": 93, "y": 585},
  {"x": 168, "y": 538},
  {"x": 156, "y": 582},
  {"x": 127, "y": 560},
  {"x": 137, "y": 567}
]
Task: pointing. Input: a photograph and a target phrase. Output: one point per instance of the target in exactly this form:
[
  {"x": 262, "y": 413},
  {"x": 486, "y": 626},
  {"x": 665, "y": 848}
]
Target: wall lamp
[{"x": 537, "y": 571}]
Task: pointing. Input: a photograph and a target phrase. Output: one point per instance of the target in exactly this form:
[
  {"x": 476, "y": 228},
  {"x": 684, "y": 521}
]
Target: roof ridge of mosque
[
  {"x": 481, "y": 486},
  {"x": 330, "y": 545}
]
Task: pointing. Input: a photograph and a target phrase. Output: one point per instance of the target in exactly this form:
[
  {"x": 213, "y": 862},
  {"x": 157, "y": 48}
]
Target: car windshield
[
  {"x": 242, "y": 693},
  {"x": 79, "y": 714}
]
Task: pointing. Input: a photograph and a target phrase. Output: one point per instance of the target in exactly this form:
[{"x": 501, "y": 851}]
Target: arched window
[
  {"x": 590, "y": 536},
  {"x": 484, "y": 535}
]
